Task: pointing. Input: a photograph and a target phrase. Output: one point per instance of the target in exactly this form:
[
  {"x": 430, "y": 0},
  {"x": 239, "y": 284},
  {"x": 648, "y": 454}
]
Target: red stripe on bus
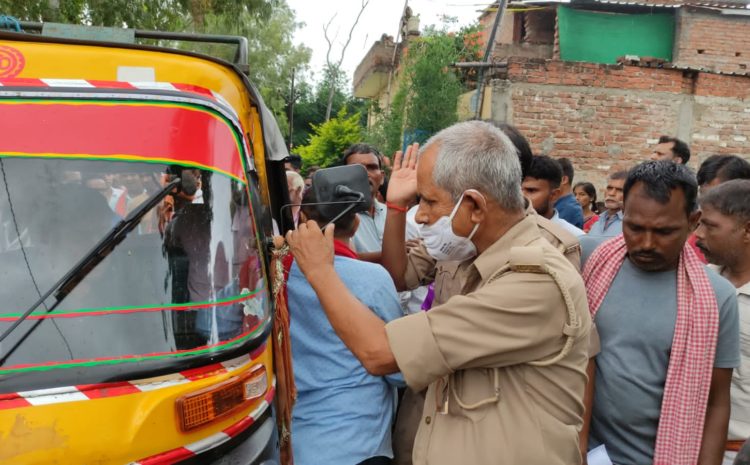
[
  {"x": 10, "y": 401},
  {"x": 239, "y": 427},
  {"x": 194, "y": 89},
  {"x": 24, "y": 82},
  {"x": 173, "y": 456},
  {"x": 204, "y": 371},
  {"x": 141, "y": 130},
  {"x": 102, "y": 390},
  {"x": 111, "y": 84},
  {"x": 246, "y": 422}
]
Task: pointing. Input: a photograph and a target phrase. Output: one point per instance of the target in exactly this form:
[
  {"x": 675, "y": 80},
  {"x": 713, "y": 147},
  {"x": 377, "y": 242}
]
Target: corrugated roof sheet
[{"x": 726, "y": 4}]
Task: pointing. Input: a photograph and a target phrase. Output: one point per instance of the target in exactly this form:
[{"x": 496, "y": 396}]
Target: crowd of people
[{"x": 488, "y": 310}]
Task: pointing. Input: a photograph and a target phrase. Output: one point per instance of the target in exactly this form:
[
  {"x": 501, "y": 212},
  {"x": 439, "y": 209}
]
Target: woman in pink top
[{"x": 585, "y": 193}]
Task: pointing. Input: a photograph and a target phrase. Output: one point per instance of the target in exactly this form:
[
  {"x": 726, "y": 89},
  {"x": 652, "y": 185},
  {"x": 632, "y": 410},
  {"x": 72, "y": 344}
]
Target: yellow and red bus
[{"x": 136, "y": 191}]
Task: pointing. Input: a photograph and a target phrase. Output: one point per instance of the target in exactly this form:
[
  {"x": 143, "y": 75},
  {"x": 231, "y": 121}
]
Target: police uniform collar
[{"x": 498, "y": 254}]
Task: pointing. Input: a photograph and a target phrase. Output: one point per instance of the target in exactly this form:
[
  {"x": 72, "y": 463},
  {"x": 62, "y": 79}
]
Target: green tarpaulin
[{"x": 598, "y": 37}]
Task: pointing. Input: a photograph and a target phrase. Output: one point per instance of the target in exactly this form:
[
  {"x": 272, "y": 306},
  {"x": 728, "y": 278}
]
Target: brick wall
[
  {"x": 712, "y": 41},
  {"x": 609, "y": 117},
  {"x": 720, "y": 125}
]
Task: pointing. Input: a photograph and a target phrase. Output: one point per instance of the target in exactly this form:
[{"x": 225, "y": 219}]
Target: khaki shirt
[
  {"x": 487, "y": 403},
  {"x": 422, "y": 269}
]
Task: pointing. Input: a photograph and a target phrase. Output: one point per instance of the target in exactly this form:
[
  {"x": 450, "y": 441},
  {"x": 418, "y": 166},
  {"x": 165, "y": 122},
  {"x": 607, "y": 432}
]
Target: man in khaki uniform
[
  {"x": 412, "y": 402},
  {"x": 504, "y": 361}
]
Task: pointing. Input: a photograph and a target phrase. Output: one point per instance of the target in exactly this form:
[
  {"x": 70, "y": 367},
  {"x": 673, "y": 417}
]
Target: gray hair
[
  {"x": 731, "y": 198},
  {"x": 477, "y": 155}
]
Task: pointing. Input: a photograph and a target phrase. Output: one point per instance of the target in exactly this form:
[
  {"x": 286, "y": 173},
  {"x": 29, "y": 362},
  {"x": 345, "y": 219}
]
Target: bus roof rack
[{"x": 128, "y": 36}]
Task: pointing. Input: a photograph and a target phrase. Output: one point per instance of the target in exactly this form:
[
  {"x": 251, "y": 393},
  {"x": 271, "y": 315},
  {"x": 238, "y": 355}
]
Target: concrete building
[{"x": 600, "y": 80}]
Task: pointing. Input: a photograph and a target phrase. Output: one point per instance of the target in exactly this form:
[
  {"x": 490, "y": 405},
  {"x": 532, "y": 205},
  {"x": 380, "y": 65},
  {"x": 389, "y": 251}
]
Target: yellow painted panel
[
  {"x": 114, "y": 430},
  {"x": 63, "y": 61}
]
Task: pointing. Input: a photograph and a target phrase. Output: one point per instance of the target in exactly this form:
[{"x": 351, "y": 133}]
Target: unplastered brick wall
[
  {"x": 712, "y": 41},
  {"x": 609, "y": 117}
]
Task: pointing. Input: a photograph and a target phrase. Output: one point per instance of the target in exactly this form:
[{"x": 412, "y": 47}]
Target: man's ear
[
  {"x": 479, "y": 207},
  {"x": 693, "y": 219},
  {"x": 555, "y": 194},
  {"x": 746, "y": 232},
  {"x": 565, "y": 180}
]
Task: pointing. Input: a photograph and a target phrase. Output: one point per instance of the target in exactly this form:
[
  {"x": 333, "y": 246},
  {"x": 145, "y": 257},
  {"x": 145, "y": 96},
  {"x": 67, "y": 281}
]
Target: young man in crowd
[
  {"x": 368, "y": 241},
  {"x": 671, "y": 149},
  {"x": 566, "y": 205},
  {"x": 541, "y": 186},
  {"x": 503, "y": 359},
  {"x": 293, "y": 163},
  {"x": 717, "y": 169},
  {"x": 610, "y": 221},
  {"x": 343, "y": 414},
  {"x": 668, "y": 330},
  {"x": 724, "y": 236}
]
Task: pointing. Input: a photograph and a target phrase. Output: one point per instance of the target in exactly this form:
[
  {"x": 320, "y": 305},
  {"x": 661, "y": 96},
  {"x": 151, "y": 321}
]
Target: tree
[
  {"x": 331, "y": 138},
  {"x": 427, "y": 98},
  {"x": 269, "y": 26},
  {"x": 312, "y": 101},
  {"x": 333, "y": 68},
  {"x": 169, "y": 15}
]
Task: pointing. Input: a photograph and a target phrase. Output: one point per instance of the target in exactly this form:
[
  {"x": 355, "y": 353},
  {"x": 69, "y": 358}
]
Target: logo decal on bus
[{"x": 12, "y": 62}]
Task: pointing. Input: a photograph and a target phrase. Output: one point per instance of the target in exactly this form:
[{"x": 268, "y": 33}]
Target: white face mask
[{"x": 445, "y": 245}]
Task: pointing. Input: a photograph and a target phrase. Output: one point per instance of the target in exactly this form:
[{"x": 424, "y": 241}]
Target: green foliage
[
  {"x": 427, "y": 97},
  {"x": 433, "y": 87},
  {"x": 310, "y": 106},
  {"x": 165, "y": 15},
  {"x": 386, "y": 132},
  {"x": 272, "y": 55},
  {"x": 269, "y": 26},
  {"x": 330, "y": 139}
]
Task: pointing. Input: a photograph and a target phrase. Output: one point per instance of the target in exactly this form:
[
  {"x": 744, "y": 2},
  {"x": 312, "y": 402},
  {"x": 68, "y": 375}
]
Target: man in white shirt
[
  {"x": 368, "y": 241},
  {"x": 541, "y": 185},
  {"x": 724, "y": 237}
]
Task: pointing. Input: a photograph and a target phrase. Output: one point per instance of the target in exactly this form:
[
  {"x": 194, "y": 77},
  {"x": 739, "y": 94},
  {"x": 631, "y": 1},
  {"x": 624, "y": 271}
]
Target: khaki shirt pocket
[
  {"x": 446, "y": 284},
  {"x": 473, "y": 393}
]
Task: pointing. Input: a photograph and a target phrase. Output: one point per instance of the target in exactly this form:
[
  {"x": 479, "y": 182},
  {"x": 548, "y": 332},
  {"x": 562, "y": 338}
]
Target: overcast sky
[{"x": 380, "y": 16}]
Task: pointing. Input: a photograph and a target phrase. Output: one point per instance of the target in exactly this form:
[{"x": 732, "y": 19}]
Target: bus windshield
[{"x": 188, "y": 280}]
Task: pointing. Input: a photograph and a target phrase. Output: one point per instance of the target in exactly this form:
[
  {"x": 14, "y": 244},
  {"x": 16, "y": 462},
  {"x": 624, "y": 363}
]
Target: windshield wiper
[{"x": 93, "y": 257}]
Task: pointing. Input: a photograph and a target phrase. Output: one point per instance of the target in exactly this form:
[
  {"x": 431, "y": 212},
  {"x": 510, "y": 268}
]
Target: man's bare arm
[
  {"x": 717, "y": 418},
  {"x": 357, "y": 326},
  {"x": 372, "y": 257}
]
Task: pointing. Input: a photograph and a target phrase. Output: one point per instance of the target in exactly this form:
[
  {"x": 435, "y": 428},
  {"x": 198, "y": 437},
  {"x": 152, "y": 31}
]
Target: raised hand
[{"x": 402, "y": 185}]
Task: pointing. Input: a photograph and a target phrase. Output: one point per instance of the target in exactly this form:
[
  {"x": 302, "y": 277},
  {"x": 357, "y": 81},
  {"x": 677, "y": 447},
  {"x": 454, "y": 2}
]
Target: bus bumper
[{"x": 258, "y": 445}]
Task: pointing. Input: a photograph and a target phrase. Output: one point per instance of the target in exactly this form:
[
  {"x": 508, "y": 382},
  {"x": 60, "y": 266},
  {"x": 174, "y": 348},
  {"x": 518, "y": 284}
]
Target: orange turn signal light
[{"x": 214, "y": 402}]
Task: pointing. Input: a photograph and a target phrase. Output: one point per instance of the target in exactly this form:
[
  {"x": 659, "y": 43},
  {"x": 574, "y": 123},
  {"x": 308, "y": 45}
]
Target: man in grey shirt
[{"x": 636, "y": 321}]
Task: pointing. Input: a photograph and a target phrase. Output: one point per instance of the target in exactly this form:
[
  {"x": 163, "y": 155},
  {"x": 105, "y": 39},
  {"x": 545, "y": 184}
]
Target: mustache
[
  {"x": 645, "y": 254},
  {"x": 702, "y": 246}
]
